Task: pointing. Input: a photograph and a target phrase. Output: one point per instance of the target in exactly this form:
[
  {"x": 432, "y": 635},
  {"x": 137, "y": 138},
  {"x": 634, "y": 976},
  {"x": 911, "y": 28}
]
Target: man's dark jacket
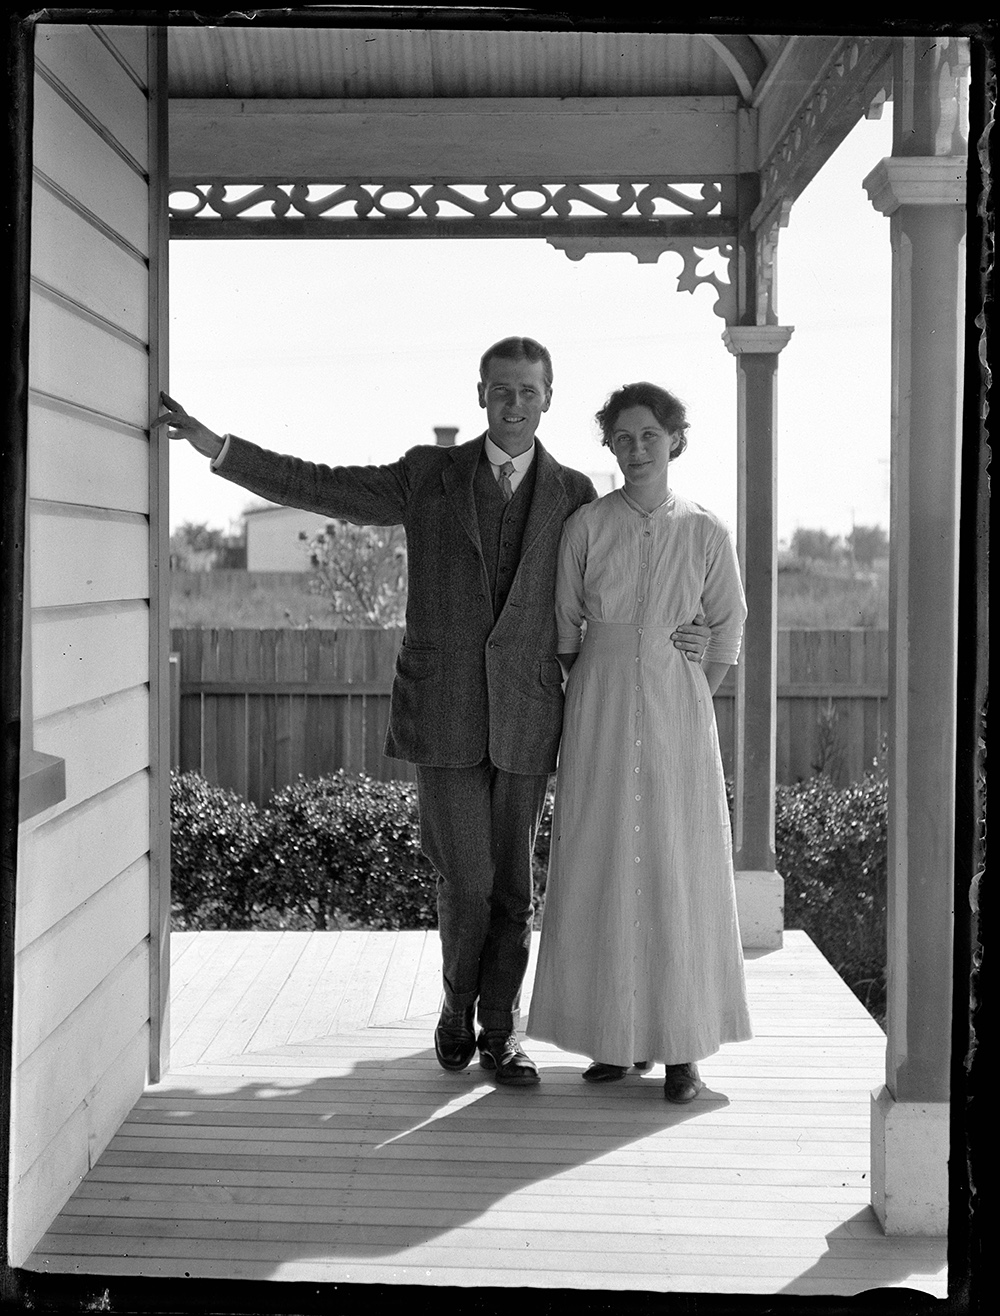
[{"x": 468, "y": 685}]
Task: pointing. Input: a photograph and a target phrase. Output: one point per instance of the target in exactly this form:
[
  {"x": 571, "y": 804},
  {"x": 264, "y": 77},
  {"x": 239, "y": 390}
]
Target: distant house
[{"x": 273, "y": 538}]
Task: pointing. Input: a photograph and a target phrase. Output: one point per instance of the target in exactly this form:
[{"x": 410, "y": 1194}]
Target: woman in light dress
[{"x": 640, "y": 948}]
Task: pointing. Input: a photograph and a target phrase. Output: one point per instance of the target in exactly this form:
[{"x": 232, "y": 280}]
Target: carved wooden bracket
[
  {"x": 766, "y": 238},
  {"x": 648, "y": 249}
]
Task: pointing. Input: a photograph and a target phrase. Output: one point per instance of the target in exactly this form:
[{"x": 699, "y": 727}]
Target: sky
[{"x": 351, "y": 351}]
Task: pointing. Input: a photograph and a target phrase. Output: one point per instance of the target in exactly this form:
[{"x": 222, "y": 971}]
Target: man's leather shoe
[
  {"x": 504, "y": 1057},
  {"x": 455, "y": 1038},
  {"x": 601, "y": 1073},
  {"x": 682, "y": 1083}
]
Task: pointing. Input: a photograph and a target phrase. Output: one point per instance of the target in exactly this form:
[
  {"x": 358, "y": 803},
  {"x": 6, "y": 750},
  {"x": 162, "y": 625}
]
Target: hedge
[
  {"x": 220, "y": 877},
  {"x": 344, "y": 851},
  {"x": 831, "y": 846},
  {"x": 350, "y": 848},
  {"x": 333, "y": 852}
]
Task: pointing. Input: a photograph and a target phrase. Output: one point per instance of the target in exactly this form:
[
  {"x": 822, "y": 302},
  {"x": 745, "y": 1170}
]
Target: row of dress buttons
[
  {"x": 643, "y": 565},
  {"x": 638, "y": 742}
]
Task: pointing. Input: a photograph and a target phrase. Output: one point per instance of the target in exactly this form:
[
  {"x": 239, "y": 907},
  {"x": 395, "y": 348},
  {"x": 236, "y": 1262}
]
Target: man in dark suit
[{"x": 477, "y": 696}]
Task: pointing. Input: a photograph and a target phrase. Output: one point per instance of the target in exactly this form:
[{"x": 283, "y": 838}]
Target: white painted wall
[
  {"x": 82, "y": 967},
  {"x": 273, "y": 542}
]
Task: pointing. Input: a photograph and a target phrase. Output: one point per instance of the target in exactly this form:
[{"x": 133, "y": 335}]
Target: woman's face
[{"x": 642, "y": 447}]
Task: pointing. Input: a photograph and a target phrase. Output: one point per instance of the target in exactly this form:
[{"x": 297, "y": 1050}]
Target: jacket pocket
[
  {"x": 417, "y": 664},
  {"x": 550, "y": 672}
]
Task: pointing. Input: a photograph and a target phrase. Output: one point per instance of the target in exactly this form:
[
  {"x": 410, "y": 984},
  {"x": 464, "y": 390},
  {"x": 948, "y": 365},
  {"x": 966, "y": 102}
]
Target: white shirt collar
[{"x": 496, "y": 456}]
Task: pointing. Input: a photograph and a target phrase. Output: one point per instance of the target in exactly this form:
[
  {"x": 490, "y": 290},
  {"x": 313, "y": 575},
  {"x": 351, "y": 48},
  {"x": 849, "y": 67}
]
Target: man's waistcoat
[{"x": 501, "y": 528}]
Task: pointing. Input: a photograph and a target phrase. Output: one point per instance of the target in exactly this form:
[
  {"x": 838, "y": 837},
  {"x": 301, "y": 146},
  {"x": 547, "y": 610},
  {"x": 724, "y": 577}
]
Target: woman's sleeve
[
  {"x": 723, "y": 601},
  {"x": 570, "y": 566}
]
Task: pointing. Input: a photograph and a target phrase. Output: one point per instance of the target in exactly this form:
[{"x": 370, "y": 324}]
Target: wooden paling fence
[{"x": 253, "y": 710}]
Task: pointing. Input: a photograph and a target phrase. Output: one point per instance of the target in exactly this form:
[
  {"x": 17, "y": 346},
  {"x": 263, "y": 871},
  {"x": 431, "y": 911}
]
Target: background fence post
[{"x": 175, "y": 710}]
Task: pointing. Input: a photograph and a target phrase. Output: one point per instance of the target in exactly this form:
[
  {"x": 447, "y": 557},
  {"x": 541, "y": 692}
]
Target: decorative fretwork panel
[
  {"x": 704, "y": 207},
  {"x": 855, "y": 81}
]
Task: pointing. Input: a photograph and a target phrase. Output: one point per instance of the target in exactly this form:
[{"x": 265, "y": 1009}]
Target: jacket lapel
[
  {"x": 548, "y": 500},
  {"x": 457, "y": 480}
]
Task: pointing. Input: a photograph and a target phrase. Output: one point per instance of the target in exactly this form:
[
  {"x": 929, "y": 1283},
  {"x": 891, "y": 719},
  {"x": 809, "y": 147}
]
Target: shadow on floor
[
  {"x": 899, "y": 1260},
  {"x": 368, "y": 1164}
]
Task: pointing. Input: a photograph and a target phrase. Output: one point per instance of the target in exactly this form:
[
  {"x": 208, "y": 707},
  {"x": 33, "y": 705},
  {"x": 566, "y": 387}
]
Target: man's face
[{"x": 514, "y": 394}]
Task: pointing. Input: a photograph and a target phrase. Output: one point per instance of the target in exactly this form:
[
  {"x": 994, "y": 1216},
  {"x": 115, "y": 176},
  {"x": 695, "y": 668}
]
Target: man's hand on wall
[{"x": 182, "y": 426}]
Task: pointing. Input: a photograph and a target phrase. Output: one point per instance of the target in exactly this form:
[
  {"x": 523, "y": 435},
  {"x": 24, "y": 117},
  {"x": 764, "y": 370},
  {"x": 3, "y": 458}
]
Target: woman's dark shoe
[
  {"x": 455, "y": 1038},
  {"x": 599, "y": 1073},
  {"x": 643, "y": 1066},
  {"x": 682, "y": 1083}
]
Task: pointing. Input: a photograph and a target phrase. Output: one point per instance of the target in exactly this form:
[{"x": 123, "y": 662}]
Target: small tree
[
  {"x": 868, "y": 542},
  {"x": 362, "y": 571},
  {"x": 814, "y": 545},
  {"x": 197, "y": 546}
]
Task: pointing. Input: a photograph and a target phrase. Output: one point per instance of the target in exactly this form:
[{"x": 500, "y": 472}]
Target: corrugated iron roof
[{"x": 349, "y": 63}]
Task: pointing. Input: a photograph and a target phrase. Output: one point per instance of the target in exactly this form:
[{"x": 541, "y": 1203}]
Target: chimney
[{"x": 444, "y": 435}]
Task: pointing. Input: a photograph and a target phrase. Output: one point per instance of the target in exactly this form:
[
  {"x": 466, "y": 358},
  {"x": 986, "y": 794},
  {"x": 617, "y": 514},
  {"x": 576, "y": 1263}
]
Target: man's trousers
[{"x": 478, "y": 827}]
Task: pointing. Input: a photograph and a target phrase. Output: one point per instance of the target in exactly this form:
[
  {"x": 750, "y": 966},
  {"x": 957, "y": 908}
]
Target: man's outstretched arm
[{"x": 366, "y": 495}]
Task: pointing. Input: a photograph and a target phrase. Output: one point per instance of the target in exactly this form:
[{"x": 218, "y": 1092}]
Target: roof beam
[{"x": 690, "y": 138}]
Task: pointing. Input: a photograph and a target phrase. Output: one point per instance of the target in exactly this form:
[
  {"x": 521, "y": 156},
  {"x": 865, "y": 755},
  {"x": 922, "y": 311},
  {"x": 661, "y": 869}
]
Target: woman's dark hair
[{"x": 668, "y": 410}]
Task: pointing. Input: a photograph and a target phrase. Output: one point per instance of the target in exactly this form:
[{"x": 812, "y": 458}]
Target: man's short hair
[{"x": 517, "y": 349}]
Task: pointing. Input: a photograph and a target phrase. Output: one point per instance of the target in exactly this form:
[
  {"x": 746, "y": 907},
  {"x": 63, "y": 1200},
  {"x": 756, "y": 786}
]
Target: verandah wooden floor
[{"x": 305, "y": 1132}]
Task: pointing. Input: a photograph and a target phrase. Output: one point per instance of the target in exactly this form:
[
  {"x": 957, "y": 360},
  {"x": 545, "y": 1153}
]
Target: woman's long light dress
[{"x": 640, "y": 954}]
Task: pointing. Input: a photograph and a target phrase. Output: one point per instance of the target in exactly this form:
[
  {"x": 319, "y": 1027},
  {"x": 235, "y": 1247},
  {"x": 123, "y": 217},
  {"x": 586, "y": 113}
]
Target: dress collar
[{"x": 667, "y": 502}]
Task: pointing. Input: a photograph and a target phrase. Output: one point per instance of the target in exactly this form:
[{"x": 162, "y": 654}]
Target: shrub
[
  {"x": 349, "y": 848},
  {"x": 345, "y": 851},
  {"x": 219, "y": 872},
  {"x": 540, "y": 855},
  {"x": 831, "y": 845}
]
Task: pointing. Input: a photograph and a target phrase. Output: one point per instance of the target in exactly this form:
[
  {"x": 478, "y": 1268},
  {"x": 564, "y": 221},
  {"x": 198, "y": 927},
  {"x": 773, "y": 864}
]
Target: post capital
[
  {"x": 916, "y": 180},
  {"x": 756, "y": 338}
]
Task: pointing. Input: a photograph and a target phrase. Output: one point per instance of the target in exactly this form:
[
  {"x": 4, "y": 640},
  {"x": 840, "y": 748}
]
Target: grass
[
  {"x": 808, "y": 599},
  {"x": 221, "y": 600},
  {"x": 814, "y": 599}
]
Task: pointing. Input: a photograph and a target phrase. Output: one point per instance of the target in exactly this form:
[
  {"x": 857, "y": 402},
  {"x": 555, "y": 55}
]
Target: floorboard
[{"x": 306, "y": 1133}]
